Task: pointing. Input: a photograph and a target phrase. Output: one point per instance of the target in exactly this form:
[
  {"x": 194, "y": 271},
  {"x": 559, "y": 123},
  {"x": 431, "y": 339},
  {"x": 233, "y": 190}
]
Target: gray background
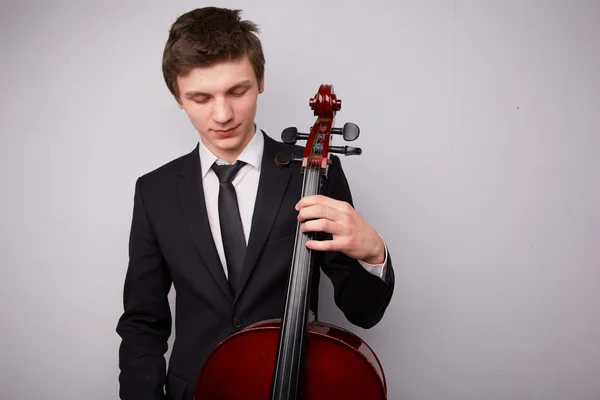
[{"x": 480, "y": 169}]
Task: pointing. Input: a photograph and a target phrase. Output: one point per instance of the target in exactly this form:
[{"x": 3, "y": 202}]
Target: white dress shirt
[{"x": 246, "y": 187}]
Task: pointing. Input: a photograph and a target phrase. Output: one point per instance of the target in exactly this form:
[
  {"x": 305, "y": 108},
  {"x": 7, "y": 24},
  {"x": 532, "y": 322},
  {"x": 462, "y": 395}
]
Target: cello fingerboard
[{"x": 288, "y": 371}]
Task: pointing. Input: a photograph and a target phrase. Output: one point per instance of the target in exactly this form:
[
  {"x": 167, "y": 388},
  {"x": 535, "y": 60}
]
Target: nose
[{"x": 222, "y": 111}]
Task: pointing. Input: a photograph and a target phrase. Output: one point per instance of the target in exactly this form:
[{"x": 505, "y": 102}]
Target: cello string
[
  {"x": 303, "y": 269},
  {"x": 295, "y": 333},
  {"x": 286, "y": 349},
  {"x": 298, "y": 287},
  {"x": 301, "y": 283}
]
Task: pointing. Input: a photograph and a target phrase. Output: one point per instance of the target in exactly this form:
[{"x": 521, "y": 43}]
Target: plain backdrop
[{"x": 480, "y": 134}]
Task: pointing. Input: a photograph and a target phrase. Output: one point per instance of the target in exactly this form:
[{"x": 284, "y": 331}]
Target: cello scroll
[{"x": 325, "y": 105}]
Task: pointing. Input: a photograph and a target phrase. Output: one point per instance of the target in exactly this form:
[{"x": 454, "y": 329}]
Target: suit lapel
[
  {"x": 272, "y": 186},
  {"x": 191, "y": 195}
]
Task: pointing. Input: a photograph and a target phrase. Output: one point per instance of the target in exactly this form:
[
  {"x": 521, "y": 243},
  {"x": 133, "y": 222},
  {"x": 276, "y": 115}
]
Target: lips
[{"x": 224, "y": 133}]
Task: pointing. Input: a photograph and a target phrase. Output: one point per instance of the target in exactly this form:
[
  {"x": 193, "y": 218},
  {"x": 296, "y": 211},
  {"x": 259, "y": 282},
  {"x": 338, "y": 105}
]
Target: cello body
[
  {"x": 340, "y": 365},
  {"x": 293, "y": 358}
]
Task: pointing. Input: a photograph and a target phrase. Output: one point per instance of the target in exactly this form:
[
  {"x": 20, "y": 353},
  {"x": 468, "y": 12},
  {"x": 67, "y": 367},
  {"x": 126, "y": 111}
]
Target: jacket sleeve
[
  {"x": 362, "y": 296},
  {"x": 145, "y": 324}
]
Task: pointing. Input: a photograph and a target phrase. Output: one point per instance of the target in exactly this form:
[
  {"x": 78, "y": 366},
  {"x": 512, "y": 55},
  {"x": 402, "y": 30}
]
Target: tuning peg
[
  {"x": 284, "y": 159},
  {"x": 346, "y": 150},
  {"x": 291, "y": 135},
  {"x": 350, "y": 131}
]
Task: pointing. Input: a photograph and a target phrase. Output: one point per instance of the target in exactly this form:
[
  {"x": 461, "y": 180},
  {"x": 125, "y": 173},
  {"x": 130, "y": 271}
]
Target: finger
[
  {"x": 323, "y": 225},
  {"x": 323, "y": 200},
  {"x": 319, "y": 211},
  {"x": 322, "y": 245}
]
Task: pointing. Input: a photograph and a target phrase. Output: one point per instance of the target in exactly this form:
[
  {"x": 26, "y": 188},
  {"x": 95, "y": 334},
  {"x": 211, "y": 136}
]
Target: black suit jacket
[{"x": 171, "y": 243}]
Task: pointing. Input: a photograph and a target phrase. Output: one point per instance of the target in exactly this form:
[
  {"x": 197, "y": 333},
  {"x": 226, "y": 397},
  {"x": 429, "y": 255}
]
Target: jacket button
[{"x": 237, "y": 322}]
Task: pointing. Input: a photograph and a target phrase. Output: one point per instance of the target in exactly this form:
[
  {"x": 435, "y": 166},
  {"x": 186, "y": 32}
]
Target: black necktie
[{"x": 232, "y": 231}]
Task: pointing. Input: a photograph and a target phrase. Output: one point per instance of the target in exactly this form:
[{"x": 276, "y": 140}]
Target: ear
[{"x": 261, "y": 85}]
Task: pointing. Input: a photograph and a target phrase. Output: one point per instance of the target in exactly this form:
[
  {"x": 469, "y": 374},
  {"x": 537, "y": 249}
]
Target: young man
[{"x": 182, "y": 235}]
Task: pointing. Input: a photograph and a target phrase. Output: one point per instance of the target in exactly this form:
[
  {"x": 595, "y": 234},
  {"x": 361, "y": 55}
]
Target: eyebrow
[{"x": 244, "y": 83}]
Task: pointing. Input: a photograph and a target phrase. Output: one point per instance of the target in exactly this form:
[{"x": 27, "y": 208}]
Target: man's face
[{"x": 220, "y": 100}]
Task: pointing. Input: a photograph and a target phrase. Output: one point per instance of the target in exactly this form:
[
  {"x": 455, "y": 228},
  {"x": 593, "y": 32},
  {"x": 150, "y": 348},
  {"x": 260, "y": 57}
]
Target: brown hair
[{"x": 205, "y": 36}]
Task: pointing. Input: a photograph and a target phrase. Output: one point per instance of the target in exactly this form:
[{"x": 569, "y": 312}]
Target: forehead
[{"x": 218, "y": 77}]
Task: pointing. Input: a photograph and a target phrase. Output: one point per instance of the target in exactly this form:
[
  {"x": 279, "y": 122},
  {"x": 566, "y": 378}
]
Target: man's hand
[{"x": 352, "y": 235}]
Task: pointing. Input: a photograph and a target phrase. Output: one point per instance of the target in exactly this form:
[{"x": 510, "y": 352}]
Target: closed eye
[{"x": 239, "y": 93}]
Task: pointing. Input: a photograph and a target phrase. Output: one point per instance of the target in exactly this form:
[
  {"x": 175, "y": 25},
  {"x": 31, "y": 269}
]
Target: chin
[{"x": 229, "y": 144}]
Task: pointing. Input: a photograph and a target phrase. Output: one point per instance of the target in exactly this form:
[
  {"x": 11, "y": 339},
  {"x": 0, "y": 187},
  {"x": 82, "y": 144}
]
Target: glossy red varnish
[{"x": 339, "y": 365}]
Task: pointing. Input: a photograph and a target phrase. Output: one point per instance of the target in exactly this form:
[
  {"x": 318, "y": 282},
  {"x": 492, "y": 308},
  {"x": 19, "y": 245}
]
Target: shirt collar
[{"x": 251, "y": 155}]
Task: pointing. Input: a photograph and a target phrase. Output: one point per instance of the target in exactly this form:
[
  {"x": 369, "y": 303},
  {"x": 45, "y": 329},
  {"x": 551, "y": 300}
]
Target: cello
[{"x": 295, "y": 358}]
